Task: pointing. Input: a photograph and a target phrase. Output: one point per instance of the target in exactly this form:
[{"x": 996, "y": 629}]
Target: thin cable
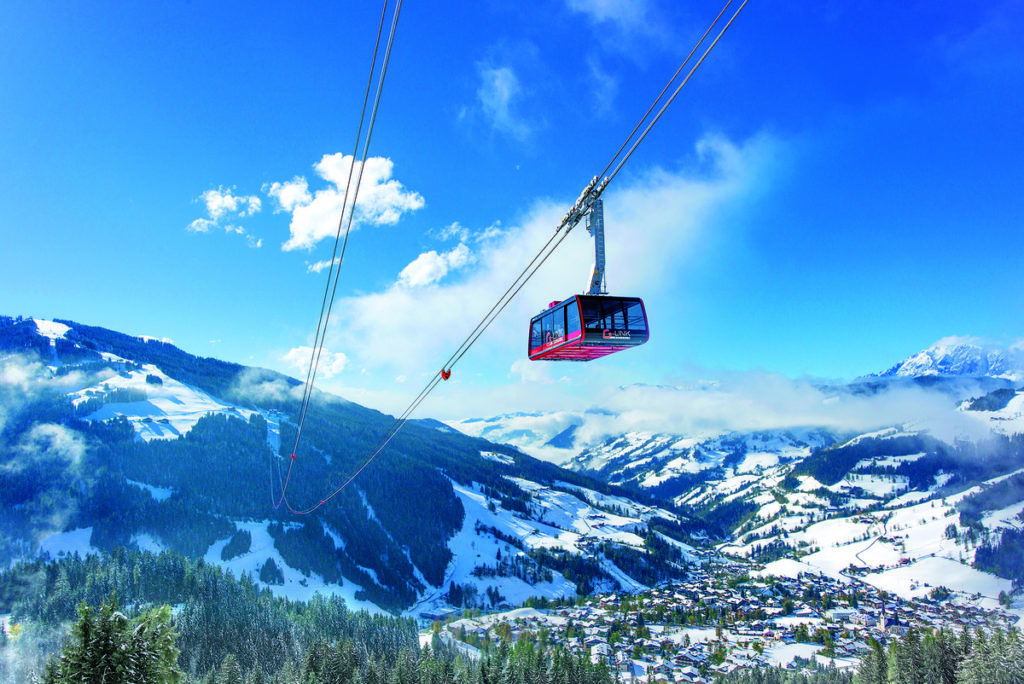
[
  {"x": 568, "y": 222},
  {"x": 311, "y": 376},
  {"x": 341, "y": 219},
  {"x": 673, "y": 97},
  {"x": 663, "y": 91},
  {"x": 352, "y": 211},
  {"x": 435, "y": 380}
]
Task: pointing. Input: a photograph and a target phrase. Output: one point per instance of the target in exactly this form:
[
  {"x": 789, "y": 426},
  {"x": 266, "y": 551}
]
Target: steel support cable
[
  {"x": 435, "y": 380},
  {"x": 663, "y": 91},
  {"x": 447, "y": 363},
  {"x": 566, "y": 223},
  {"x": 314, "y": 357},
  {"x": 673, "y": 97},
  {"x": 344, "y": 202},
  {"x": 383, "y": 442},
  {"x": 337, "y": 272},
  {"x": 352, "y": 210}
]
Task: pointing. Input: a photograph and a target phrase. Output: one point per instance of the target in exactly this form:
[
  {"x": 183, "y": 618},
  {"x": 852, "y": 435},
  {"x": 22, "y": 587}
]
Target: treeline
[
  {"x": 780, "y": 675},
  {"x": 941, "y": 657},
  {"x": 967, "y": 462},
  {"x": 396, "y": 518},
  {"x": 218, "y": 615},
  {"x": 1003, "y": 556}
]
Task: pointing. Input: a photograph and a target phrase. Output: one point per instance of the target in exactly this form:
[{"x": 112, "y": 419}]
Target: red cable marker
[{"x": 593, "y": 191}]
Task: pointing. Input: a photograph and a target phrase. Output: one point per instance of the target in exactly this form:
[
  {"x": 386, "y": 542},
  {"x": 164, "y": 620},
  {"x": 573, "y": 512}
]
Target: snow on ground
[
  {"x": 696, "y": 634},
  {"x": 785, "y": 654},
  {"x": 880, "y": 486},
  {"x": 170, "y": 408},
  {"x": 1008, "y": 420},
  {"x": 754, "y": 461},
  {"x": 147, "y": 542},
  {"x": 471, "y": 652},
  {"x": 498, "y": 458},
  {"x": 784, "y": 567},
  {"x": 296, "y": 585},
  {"x": 794, "y": 620},
  {"x": 560, "y": 521},
  {"x": 68, "y": 543},
  {"x": 808, "y": 483},
  {"x": 470, "y": 550},
  {"x": 839, "y": 663},
  {"x": 567, "y": 512},
  {"x": 917, "y": 579},
  {"x": 628, "y": 506},
  {"x": 510, "y": 616},
  {"x": 907, "y": 499},
  {"x": 1004, "y": 517},
  {"x": 158, "y": 493},
  {"x": 889, "y": 461},
  {"x": 51, "y": 329}
]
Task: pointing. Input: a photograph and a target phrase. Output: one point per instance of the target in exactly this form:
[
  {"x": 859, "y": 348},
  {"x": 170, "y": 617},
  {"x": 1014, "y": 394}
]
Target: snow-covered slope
[
  {"x": 180, "y": 453},
  {"x": 963, "y": 356}
]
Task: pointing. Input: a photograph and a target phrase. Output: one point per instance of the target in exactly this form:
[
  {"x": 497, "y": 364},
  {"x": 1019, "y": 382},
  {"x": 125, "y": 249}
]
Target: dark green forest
[{"x": 397, "y": 518}]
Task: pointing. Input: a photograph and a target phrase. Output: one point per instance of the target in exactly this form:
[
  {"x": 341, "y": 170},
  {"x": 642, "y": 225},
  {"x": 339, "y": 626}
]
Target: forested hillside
[{"x": 124, "y": 442}]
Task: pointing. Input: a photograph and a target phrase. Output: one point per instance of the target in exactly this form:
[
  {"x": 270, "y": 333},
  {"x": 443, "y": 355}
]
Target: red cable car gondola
[
  {"x": 586, "y": 327},
  {"x": 591, "y": 325}
]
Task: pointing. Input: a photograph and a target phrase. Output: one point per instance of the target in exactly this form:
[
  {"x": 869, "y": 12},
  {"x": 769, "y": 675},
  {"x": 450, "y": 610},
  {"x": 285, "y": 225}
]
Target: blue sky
[{"x": 838, "y": 187}]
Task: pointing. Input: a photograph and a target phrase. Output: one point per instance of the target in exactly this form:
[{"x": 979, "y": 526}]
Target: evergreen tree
[
  {"x": 108, "y": 648},
  {"x": 873, "y": 667},
  {"x": 229, "y": 671}
]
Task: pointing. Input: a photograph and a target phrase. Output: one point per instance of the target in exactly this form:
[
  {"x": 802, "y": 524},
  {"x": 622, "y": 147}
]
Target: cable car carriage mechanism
[{"x": 591, "y": 325}]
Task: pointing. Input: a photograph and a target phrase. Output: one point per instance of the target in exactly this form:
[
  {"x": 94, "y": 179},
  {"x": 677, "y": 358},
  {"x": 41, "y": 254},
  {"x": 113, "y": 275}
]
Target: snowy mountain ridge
[
  {"x": 963, "y": 356},
  {"x": 133, "y": 436}
]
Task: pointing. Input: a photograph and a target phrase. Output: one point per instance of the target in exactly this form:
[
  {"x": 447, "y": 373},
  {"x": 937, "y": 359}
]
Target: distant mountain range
[
  {"x": 963, "y": 356},
  {"x": 109, "y": 440},
  {"x": 807, "y": 498}
]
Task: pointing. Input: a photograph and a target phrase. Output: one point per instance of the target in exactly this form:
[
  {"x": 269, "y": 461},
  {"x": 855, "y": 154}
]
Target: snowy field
[
  {"x": 69, "y": 543},
  {"x": 296, "y": 585}
]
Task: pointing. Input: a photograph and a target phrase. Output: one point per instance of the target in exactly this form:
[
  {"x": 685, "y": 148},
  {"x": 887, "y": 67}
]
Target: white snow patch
[
  {"x": 296, "y": 586},
  {"x": 68, "y": 543},
  {"x": 51, "y": 329},
  {"x": 498, "y": 458},
  {"x": 158, "y": 493}
]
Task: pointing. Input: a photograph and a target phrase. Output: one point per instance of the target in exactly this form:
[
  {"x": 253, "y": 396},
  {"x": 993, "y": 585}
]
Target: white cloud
[
  {"x": 289, "y": 194},
  {"x": 623, "y": 13},
  {"x": 605, "y": 87},
  {"x": 53, "y": 440},
  {"x": 318, "y": 266},
  {"x": 222, "y": 204},
  {"x": 768, "y": 401},
  {"x": 330, "y": 363},
  {"x": 653, "y": 224},
  {"x": 452, "y": 230},
  {"x": 430, "y": 267},
  {"x": 498, "y": 95},
  {"x": 259, "y": 384},
  {"x": 201, "y": 225},
  {"x": 382, "y": 200},
  {"x": 531, "y": 371}
]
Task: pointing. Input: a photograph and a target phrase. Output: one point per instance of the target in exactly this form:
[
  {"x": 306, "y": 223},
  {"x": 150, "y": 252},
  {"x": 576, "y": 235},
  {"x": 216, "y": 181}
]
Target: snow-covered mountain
[
  {"x": 963, "y": 356},
  {"x": 896, "y": 506},
  {"x": 110, "y": 440}
]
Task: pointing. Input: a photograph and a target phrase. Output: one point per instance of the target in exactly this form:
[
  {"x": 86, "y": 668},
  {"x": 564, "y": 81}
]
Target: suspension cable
[
  {"x": 580, "y": 208},
  {"x": 337, "y": 259},
  {"x": 663, "y": 91},
  {"x": 341, "y": 219}
]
